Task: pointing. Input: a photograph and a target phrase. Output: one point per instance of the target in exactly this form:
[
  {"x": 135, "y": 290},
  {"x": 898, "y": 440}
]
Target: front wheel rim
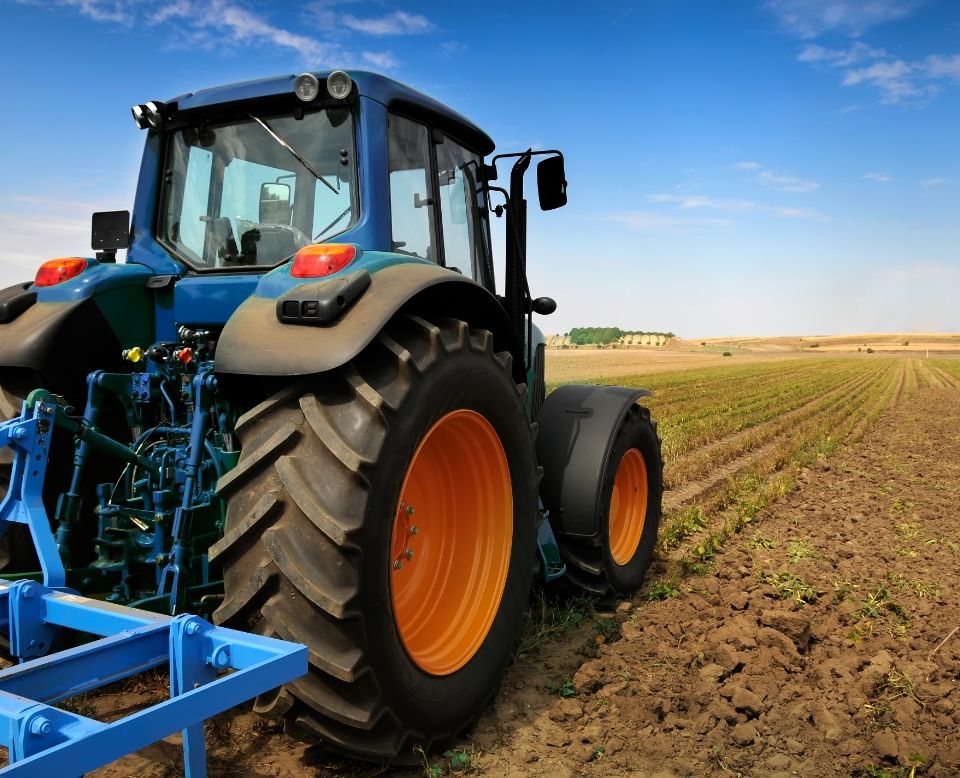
[
  {"x": 451, "y": 541},
  {"x": 628, "y": 507}
]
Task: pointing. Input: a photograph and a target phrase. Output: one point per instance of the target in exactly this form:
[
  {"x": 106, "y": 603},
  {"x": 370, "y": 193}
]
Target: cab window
[
  {"x": 460, "y": 209},
  {"x": 411, "y": 199}
]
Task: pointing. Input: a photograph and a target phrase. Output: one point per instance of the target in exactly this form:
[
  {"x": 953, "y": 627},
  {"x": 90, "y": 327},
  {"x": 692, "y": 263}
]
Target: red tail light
[
  {"x": 322, "y": 259},
  {"x": 56, "y": 271}
]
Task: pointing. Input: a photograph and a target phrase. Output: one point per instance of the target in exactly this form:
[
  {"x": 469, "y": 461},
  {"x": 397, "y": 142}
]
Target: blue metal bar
[
  {"x": 29, "y": 437},
  {"x": 77, "y": 670},
  {"x": 211, "y": 669}
]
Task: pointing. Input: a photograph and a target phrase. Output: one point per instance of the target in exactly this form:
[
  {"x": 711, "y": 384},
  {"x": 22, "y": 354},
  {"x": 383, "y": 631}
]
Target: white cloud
[
  {"x": 775, "y": 180},
  {"x": 927, "y": 183},
  {"x": 396, "y": 23},
  {"x": 898, "y": 81},
  {"x": 214, "y": 23},
  {"x": 118, "y": 11},
  {"x": 649, "y": 221},
  {"x": 858, "y": 52},
  {"x": 691, "y": 202},
  {"x": 938, "y": 66},
  {"x": 879, "y": 178},
  {"x": 795, "y": 213},
  {"x": 810, "y": 18},
  {"x": 381, "y": 59},
  {"x": 449, "y": 48},
  {"x": 786, "y": 183},
  {"x": 687, "y": 202}
]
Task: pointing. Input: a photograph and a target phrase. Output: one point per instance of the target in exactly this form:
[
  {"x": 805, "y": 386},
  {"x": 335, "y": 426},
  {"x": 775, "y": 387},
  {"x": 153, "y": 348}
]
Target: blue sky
[{"x": 748, "y": 167}]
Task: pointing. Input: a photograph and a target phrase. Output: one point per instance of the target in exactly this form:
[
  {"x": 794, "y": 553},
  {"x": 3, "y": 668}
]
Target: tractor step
[{"x": 211, "y": 670}]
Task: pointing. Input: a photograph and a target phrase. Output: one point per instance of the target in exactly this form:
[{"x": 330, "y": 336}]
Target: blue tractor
[{"x": 301, "y": 409}]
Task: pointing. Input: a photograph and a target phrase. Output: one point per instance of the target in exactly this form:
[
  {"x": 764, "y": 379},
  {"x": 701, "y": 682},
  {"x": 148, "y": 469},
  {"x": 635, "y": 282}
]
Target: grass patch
[
  {"x": 563, "y": 688},
  {"x": 760, "y": 541},
  {"x": 800, "y": 549},
  {"x": 551, "y": 617},
  {"x": 661, "y": 590},
  {"x": 673, "y": 533},
  {"x": 791, "y": 587}
]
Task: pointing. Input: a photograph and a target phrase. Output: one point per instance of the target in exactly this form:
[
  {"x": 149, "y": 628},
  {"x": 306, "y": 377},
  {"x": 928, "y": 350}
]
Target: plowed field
[{"x": 800, "y": 619}]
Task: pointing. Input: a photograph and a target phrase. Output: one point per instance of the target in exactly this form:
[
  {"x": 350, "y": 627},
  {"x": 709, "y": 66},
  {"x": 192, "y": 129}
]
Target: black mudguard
[
  {"x": 255, "y": 343},
  {"x": 578, "y": 424},
  {"x": 55, "y": 345}
]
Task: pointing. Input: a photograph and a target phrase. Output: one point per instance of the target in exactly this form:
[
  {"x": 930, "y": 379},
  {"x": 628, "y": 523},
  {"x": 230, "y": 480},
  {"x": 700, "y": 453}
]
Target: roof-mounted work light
[
  {"x": 307, "y": 87},
  {"x": 339, "y": 85},
  {"x": 152, "y": 114},
  {"x": 139, "y": 117}
]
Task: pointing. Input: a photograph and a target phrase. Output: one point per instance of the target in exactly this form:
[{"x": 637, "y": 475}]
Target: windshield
[{"x": 254, "y": 191}]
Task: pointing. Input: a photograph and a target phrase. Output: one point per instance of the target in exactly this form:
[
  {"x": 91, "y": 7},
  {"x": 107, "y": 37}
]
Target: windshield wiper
[{"x": 272, "y": 133}]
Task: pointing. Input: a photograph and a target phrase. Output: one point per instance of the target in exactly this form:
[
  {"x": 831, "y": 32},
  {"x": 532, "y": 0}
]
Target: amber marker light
[
  {"x": 322, "y": 259},
  {"x": 56, "y": 271}
]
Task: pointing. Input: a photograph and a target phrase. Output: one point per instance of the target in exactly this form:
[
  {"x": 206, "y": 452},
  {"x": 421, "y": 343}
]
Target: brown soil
[{"x": 730, "y": 678}]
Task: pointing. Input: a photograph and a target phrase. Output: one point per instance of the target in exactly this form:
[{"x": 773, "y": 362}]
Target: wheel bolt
[
  {"x": 408, "y": 553},
  {"x": 414, "y": 530},
  {"x": 397, "y": 565},
  {"x": 410, "y": 510}
]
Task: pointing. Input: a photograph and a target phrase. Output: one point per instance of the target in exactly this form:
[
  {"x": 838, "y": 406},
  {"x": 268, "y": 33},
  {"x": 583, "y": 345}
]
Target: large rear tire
[
  {"x": 617, "y": 559},
  {"x": 385, "y": 515},
  {"x": 10, "y": 406}
]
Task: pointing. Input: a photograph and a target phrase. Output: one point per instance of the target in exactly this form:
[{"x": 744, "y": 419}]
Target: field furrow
[
  {"x": 699, "y": 464},
  {"x": 697, "y": 533}
]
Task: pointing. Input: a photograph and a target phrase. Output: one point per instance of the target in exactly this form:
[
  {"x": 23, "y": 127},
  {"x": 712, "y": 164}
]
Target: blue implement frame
[{"x": 211, "y": 669}]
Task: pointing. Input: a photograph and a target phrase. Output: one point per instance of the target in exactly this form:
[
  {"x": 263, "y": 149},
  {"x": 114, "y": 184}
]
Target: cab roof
[{"x": 392, "y": 94}]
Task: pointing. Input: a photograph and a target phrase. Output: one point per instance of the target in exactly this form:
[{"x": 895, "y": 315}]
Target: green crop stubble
[
  {"x": 793, "y": 412},
  {"x": 817, "y": 432}
]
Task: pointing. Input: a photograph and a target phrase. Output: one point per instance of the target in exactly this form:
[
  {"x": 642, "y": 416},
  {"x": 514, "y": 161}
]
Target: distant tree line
[{"x": 581, "y": 336}]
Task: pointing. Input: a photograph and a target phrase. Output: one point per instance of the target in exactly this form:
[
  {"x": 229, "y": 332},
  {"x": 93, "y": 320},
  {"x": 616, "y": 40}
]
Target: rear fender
[
  {"x": 55, "y": 345},
  {"x": 256, "y": 343},
  {"x": 578, "y": 424}
]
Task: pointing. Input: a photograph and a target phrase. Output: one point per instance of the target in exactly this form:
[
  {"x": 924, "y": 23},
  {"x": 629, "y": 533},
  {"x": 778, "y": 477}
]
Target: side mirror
[
  {"x": 551, "y": 183},
  {"x": 274, "y": 204},
  {"x": 110, "y": 232}
]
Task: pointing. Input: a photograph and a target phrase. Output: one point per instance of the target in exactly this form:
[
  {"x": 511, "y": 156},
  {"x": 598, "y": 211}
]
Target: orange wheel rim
[
  {"x": 628, "y": 507},
  {"x": 451, "y": 540}
]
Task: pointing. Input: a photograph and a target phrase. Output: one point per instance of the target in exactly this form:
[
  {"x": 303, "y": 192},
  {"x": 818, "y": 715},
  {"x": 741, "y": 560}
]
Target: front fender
[
  {"x": 255, "y": 343},
  {"x": 578, "y": 424}
]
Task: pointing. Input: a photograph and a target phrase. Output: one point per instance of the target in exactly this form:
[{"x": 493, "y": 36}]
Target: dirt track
[{"x": 729, "y": 677}]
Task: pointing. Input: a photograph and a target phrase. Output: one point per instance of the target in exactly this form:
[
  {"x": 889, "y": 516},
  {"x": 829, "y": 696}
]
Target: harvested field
[
  {"x": 610, "y": 365},
  {"x": 799, "y": 619}
]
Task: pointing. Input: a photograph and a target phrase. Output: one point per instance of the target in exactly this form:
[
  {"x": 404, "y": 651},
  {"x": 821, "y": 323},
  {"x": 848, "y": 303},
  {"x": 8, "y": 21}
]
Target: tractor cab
[{"x": 237, "y": 180}]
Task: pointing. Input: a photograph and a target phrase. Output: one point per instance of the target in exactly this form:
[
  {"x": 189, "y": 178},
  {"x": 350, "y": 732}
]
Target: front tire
[
  {"x": 617, "y": 559},
  {"x": 410, "y": 615}
]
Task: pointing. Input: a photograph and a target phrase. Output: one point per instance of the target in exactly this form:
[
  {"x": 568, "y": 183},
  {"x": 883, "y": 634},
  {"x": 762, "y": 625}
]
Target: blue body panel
[{"x": 208, "y": 301}]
